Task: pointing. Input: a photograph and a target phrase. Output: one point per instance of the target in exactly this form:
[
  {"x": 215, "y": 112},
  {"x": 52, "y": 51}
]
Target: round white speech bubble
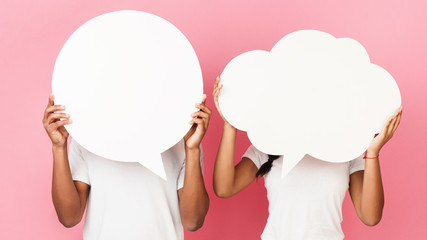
[
  {"x": 129, "y": 81},
  {"x": 311, "y": 94}
]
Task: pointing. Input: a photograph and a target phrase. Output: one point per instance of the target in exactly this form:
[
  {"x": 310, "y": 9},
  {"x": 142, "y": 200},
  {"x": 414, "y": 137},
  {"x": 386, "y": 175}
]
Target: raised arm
[
  {"x": 366, "y": 188},
  {"x": 227, "y": 178},
  {"x": 69, "y": 197},
  {"x": 193, "y": 198}
]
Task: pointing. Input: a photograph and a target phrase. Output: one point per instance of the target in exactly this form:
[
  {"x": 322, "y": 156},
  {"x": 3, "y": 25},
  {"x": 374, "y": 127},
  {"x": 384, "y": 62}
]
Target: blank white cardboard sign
[
  {"x": 129, "y": 81},
  {"x": 311, "y": 94}
]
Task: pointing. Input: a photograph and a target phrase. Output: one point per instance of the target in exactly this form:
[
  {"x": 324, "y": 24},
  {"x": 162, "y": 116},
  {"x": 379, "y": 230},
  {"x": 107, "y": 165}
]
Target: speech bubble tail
[
  {"x": 155, "y": 165},
  {"x": 290, "y": 161}
]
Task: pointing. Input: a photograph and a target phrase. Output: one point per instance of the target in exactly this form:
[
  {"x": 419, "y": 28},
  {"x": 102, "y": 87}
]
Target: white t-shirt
[
  {"x": 307, "y": 203},
  {"x": 126, "y": 200}
]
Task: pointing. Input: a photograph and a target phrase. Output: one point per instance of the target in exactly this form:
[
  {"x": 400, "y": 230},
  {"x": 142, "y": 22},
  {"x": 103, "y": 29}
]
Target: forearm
[
  {"x": 193, "y": 198},
  {"x": 366, "y": 188},
  {"x": 64, "y": 193},
  {"x": 224, "y": 172},
  {"x": 372, "y": 201}
]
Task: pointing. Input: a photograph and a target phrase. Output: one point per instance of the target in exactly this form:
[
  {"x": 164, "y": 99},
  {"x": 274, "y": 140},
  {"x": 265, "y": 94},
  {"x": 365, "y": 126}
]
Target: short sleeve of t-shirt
[
  {"x": 180, "y": 182},
  {"x": 357, "y": 164},
  {"x": 78, "y": 165},
  {"x": 257, "y": 157}
]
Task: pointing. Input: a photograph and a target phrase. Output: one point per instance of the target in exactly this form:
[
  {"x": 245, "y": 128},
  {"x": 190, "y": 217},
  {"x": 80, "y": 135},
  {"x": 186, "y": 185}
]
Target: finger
[
  {"x": 206, "y": 119},
  {"x": 215, "y": 97},
  {"x": 214, "y": 89},
  {"x": 51, "y": 100},
  {"x": 384, "y": 131},
  {"x": 219, "y": 90},
  {"x": 204, "y": 99},
  {"x": 197, "y": 121},
  {"x": 390, "y": 120},
  {"x": 203, "y": 108},
  {"x": 190, "y": 132},
  {"x": 63, "y": 131},
  {"x": 396, "y": 124},
  {"x": 397, "y": 111},
  {"x": 49, "y": 103},
  {"x": 217, "y": 80},
  {"x": 200, "y": 114},
  {"x": 57, "y": 124},
  {"x": 394, "y": 118},
  {"x": 51, "y": 109},
  {"x": 54, "y": 108},
  {"x": 215, "y": 93},
  {"x": 56, "y": 116},
  {"x": 208, "y": 110},
  {"x": 200, "y": 122},
  {"x": 390, "y": 128}
]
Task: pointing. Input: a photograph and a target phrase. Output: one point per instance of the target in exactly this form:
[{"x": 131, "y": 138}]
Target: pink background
[{"x": 33, "y": 32}]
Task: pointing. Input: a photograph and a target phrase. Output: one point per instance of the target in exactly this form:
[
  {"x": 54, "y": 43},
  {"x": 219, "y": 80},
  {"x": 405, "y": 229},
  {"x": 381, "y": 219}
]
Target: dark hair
[{"x": 265, "y": 168}]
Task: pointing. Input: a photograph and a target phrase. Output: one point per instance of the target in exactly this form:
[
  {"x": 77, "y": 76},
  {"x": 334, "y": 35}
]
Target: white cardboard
[
  {"x": 129, "y": 80},
  {"x": 311, "y": 94}
]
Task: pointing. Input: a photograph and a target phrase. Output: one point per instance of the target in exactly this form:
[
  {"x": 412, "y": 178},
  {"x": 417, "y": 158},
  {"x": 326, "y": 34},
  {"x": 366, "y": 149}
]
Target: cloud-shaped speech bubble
[
  {"x": 311, "y": 94},
  {"x": 129, "y": 81}
]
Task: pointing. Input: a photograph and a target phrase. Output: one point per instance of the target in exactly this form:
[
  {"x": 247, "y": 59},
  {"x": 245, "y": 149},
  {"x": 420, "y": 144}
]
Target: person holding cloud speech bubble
[
  {"x": 125, "y": 199},
  {"x": 306, "y": 203}
]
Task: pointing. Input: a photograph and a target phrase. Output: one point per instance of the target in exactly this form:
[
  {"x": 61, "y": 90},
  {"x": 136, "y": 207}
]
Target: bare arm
[
  {"x": 193, "y": 198},
  {"x": 366, "y": 191},
  {"x": 69, "y": 197},
  {"x": 366, "y": 188},
  {"x": 227, "y": 178}
]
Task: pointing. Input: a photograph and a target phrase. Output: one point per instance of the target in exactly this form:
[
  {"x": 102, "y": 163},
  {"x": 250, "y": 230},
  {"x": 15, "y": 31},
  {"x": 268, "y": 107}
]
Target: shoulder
[
  {"x": 357, "y": 164},
  {"x": 255, "y": 156},
  {"x": 175, "y": 154},
  {"x": 75, "y": 149}
]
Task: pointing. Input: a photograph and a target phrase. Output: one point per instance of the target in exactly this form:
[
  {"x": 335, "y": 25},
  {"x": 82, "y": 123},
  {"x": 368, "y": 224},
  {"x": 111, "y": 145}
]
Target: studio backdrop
[{"x": 32, "y": 34}]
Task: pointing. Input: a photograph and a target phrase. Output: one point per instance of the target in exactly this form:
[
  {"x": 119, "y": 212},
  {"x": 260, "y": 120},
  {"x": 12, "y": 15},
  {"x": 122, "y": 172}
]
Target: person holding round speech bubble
[
  {"x": 307, "y": 203},
  {"x": 128, "y": 201}
]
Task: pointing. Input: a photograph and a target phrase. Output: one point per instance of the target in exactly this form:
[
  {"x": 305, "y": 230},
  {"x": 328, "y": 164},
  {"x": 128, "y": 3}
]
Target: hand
[
  {"x": 53, "y": 124},
  {"x": 386, "y": 134},
  {"x": 200, "y": 124},
  {"x": 215, "y": 94}
]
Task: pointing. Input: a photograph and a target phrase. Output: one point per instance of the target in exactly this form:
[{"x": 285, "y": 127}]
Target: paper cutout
[
  {"x": 129, "y": 81},
  {"x": 311, "y": 94}
]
